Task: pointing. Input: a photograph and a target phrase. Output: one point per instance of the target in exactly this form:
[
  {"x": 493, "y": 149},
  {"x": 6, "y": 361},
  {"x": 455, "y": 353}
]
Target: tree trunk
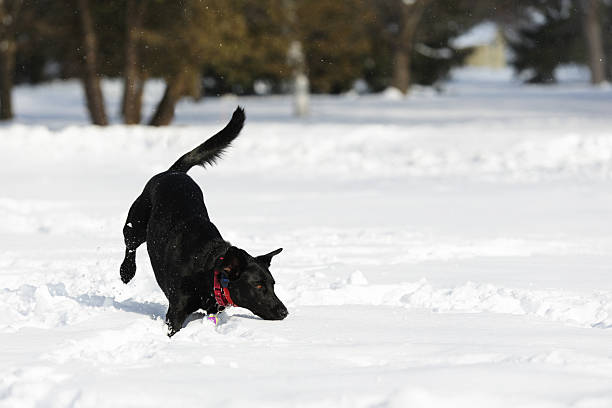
[
  {"x": 8, "y": 49},
  {"x": 401, "y": 69},
  {"x": 411, "y": 14},
  {"x": 301, "y": 87},
  {"x": 165, "y": 109},
  {"x": 297, "y": 62},
  {"x": 9, "y": 12},
  {"x": 593, "y": 36},
  {"x": 133, "y": 81},
  {"x": 91, "y": 80},
  {"x": 137, "y": 102}
]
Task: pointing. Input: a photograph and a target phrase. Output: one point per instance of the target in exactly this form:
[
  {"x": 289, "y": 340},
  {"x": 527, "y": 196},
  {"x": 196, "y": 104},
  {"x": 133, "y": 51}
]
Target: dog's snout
[{"x": 282, "y": 312}]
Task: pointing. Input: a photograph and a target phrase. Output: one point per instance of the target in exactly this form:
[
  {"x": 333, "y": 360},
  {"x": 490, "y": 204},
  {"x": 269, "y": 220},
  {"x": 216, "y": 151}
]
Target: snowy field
[{"x": 443, "y": 250}]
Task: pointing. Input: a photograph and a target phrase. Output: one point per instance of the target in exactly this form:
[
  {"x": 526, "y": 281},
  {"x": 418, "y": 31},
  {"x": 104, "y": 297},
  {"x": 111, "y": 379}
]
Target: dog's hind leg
[{"x": 134, "y": 234}]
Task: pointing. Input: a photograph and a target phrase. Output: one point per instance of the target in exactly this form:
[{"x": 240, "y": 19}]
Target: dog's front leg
[
  {"x": 178, "y": 311},
  {"x": 175, "y": 317},
  {"x": 134, "y": 235},
  {"x": 128, "y": 266}
]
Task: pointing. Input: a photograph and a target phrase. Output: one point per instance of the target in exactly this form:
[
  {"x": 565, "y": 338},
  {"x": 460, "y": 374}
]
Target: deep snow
[{"x": 440, "y": 250}]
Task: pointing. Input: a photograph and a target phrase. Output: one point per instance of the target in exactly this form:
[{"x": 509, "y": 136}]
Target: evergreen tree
[
  {"x": 181, "y": 37},
  {"x": 548, "y": 34},
  {"x": 261, "y": 51},
  {"x": 434, "y": 56},
  {"x": 431, "y": 54},
  {"x": 335, "y": 40}
]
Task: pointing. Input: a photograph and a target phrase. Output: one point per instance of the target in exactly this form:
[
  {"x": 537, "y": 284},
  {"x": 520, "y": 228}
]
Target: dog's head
[{"x": 251, "y": 284}]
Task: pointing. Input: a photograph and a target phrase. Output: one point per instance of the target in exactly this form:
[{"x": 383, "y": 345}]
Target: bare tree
[
  {"x": 175, "y": 88},
  {"x": 91, "y": 80},
  {"x": 297, "y": 62},
  {"x": 9, "y": 11},
  {"x": 410, "y": 15},
  {"x": 593, "y": 36},
  {"x": 133, "y": 81},
  {"x": 182, "y": 38},
  {"x": 301, "y": 85}
]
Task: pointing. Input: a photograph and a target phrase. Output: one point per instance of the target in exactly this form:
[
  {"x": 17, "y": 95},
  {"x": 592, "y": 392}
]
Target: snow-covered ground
[{"x": 443, "y": 250}]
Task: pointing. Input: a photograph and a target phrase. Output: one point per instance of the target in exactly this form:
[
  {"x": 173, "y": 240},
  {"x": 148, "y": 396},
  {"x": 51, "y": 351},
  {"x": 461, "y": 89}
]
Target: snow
[
  {"x": 440, "y": 249},
  {"x": 481, "y": 34}
]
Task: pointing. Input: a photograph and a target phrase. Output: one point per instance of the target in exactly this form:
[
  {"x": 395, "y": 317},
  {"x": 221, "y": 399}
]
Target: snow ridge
[
  {"x": 584, "y": 310},
  {"x": 365, "y": 151},
  {"x": 50, "y": 306}
]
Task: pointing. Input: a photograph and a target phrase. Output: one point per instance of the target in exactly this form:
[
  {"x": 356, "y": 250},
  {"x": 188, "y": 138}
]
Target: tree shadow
[
  {"x": 252, "y": 317},
  {"x": 193, "y": 317},
  {"x": 150, "y": 309},
  {"x": 153, "y": 310}
]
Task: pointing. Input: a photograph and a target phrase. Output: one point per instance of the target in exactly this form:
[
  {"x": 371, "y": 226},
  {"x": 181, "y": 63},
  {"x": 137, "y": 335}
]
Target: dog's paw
[
  {"x": 171, "y": 330},
  {"x": 127, "y": 271}
]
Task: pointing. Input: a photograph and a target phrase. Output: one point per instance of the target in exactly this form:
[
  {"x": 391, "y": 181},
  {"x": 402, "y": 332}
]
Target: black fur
[
  {"x": 212, "y": 149},
  {"x": 184, "y": 245}
]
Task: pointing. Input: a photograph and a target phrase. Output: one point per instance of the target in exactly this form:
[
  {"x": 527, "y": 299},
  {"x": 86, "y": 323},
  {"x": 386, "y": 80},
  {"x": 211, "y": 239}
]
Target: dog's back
[{"x": 172, "y": 197}]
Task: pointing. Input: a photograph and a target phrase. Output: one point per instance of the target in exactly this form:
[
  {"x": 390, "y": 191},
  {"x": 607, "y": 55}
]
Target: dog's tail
[{"x": 212, "y": 149}]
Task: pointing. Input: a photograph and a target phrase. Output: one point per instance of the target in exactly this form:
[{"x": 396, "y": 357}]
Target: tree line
[{"x": 247, "y": 46}]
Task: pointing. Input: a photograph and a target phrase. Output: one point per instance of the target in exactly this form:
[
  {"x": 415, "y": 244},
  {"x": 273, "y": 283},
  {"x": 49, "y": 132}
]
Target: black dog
[{"x": 193, "y": 265}]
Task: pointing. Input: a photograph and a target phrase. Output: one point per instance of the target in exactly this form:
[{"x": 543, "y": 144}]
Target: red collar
[{"x": 221, "y": 283}]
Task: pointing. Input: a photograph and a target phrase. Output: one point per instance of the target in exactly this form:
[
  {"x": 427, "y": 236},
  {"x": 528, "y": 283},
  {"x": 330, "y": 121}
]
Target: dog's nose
[{"x": 283, "y": 312}]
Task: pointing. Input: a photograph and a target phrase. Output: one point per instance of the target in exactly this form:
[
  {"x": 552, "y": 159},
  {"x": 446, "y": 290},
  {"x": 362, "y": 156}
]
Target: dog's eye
[{"x": 258, "y": 286}]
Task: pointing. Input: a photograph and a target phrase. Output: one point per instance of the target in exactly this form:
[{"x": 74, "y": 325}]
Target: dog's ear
[
  {"x": 234, "y": 262},
  {"x": 267, "y": 258}
]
